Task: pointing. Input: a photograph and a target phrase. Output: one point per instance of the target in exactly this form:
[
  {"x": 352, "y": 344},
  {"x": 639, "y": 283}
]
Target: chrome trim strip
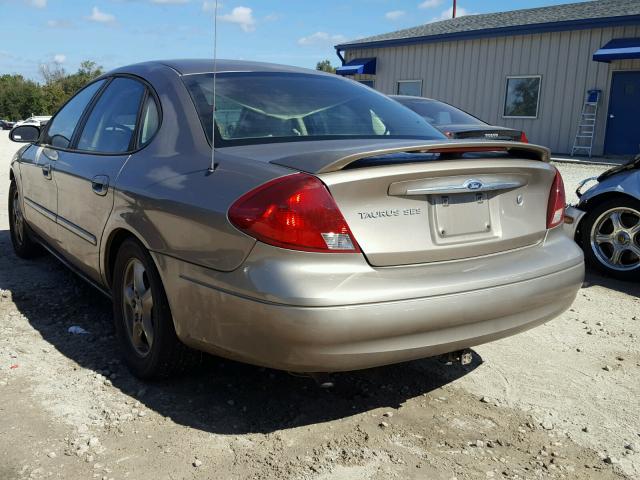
[
  {"x": 73, "y": 228},
  {"x": 40, "y": 209},
  {"x": 444, "y": 189}
]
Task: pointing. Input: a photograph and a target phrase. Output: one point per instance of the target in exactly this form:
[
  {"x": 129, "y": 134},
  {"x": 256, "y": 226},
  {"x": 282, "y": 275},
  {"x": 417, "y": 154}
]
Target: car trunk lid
[{"x": 405, "y": 211}]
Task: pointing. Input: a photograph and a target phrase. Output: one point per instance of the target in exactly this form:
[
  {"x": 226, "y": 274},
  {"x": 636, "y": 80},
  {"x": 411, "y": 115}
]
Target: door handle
[
  {"x": 46, "y": 171},
  {"x": 611, "y": 115},
  {"x": 100, "y": 185}
]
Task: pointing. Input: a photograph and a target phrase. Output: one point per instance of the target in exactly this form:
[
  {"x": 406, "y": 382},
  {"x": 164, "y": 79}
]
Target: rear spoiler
[{"x": 453, "y": 147}]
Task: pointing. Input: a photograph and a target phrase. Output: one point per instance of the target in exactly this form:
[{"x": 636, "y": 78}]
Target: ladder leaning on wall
[{"x": 583, "y": 141}]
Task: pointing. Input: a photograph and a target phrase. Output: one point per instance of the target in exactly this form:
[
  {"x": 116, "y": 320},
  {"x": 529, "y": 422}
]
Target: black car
[
  {"x": 6, "y": 125},
  {"x": 456, "y": 123}
]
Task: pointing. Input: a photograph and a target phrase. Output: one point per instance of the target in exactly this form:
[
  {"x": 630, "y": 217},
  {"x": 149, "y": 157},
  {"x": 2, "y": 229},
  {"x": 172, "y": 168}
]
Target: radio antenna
[{"x": 212, "y": 167}]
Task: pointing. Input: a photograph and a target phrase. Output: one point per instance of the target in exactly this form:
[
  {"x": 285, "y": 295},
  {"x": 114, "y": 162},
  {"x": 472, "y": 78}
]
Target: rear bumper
[{"x": 324, "y": 338}]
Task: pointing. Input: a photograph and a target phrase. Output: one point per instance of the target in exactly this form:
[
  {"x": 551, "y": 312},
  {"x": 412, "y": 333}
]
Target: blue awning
[
  {"x": 618, "y": 49},
  {"x": 359, "y": 65}
]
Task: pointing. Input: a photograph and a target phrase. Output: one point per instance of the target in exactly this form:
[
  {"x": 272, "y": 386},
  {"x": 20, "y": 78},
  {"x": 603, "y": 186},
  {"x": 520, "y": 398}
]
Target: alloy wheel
[
  {"x": 137, "y": 306},
  {"x": 615, "y": 238}
]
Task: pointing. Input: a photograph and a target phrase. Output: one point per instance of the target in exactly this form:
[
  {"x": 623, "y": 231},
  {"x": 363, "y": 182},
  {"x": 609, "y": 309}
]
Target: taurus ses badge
[{"x": 473, "y": 184}]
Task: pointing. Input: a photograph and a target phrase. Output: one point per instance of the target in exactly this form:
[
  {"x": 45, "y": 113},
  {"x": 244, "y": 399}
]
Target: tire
[
  {"x": 601, "y": 238},
  {"x": 144, "y": 326},
  {"x": 23, "y": 244}
]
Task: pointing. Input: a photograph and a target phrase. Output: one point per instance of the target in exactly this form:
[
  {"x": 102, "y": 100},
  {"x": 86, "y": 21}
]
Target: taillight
[
  {"x": 295, "y": 212},
  {"x": 523, "y": 137},
  {"x": 557, "y": 200}
]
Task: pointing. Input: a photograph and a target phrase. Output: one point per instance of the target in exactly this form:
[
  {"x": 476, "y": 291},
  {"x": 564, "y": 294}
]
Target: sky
[{"x": 119, "y": 32}]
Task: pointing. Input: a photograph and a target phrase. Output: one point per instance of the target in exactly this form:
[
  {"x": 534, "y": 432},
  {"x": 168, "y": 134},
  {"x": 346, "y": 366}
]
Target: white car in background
[{"x": 38, "y": 121}]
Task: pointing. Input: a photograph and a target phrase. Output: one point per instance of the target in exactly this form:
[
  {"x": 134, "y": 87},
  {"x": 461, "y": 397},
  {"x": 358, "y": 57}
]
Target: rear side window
[
  {"x": 111, "y": 125},
  {"x": 64, "y": 124},
  {"x": 150, "y": 121}
]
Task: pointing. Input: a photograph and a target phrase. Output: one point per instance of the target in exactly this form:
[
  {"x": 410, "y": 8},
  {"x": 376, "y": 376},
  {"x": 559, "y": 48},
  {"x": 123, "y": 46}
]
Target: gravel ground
[{"x": 560, "y": 401}]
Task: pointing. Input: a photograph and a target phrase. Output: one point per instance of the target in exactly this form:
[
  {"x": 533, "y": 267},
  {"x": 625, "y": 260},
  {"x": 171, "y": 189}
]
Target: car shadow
[
  {"x": 221, "y": 396},
  {"x": 595, "y": 278}
]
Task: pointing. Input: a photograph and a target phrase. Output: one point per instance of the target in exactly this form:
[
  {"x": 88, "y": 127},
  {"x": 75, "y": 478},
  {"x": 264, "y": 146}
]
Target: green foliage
[
  {"x": 20, "y": 98},
  {"x": 325, "y": 66}
]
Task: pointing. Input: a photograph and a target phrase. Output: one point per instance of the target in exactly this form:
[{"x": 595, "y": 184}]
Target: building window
[
  {"x": 522, "y": 97},
  {"x": 368, "y": 83},
  {"x": 410, "y": 87}
]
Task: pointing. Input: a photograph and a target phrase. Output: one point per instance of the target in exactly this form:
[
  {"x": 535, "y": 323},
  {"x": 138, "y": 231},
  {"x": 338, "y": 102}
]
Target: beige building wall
[{"x": 472, "y": 75}]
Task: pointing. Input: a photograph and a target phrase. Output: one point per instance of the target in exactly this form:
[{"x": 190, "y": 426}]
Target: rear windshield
[
  {"x": 438, "y": 113},
  {"x": 266, "y": 107}
]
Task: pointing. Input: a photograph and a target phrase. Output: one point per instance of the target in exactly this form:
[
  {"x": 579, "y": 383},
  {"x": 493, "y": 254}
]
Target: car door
[
  {"x": 38, "y": 165},
  {"x": 86, "y": 175},
  {"x": 623, "y": 128}
]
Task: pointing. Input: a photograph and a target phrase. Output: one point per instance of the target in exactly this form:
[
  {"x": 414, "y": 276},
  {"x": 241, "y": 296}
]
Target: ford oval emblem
[{"x": 474, "y": 185}]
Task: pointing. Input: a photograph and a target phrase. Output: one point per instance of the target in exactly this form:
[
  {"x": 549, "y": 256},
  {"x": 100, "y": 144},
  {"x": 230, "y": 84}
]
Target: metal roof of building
[{"x": 531, "y": 20}]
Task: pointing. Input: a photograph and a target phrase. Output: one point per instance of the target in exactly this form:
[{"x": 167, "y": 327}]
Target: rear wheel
[
  {"x": 611, "y": 238},
  {"x": 23, "y": 244},
  {"x": 143, "y": 321}
]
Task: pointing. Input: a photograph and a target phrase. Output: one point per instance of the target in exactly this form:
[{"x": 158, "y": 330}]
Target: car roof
[{"x": 202, "y": 65}]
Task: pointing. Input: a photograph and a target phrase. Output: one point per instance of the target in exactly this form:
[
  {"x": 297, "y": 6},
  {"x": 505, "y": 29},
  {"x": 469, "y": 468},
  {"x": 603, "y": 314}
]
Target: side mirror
[{"x": 25, "y": 134}]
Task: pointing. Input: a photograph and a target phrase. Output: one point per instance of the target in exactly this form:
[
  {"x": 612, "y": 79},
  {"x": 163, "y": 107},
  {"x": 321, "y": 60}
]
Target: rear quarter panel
[{"x": 166, "y": 196}]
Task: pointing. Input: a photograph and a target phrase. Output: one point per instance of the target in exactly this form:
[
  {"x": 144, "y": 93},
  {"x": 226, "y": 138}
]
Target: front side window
[
  {"x": 110, "y": 126},
  {"x": 410, "y": 87},
  {"x": 266, "y": 107},
  {"x": 63, "y": 125},
  {"x": 522, "y": 96}
]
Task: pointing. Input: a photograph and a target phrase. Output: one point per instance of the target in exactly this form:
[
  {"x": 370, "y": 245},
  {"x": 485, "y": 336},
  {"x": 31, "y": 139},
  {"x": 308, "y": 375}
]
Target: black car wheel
[
  {"x": 143, "y": 321},
  {"x": 23, "y": 244},
  {"x": 611, "y": 238}
]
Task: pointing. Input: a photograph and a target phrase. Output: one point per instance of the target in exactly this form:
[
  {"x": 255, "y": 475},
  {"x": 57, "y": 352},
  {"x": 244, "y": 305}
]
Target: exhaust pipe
[
  {"x": 322, "y": 379},
  {"x": 463, "y": 357}
]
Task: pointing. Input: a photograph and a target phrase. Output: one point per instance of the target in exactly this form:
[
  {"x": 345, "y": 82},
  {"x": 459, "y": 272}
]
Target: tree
[
  {"x": 52, "y": 72},
  {"x": 90, "y": 69},
  {"x": 20, "y": 98},
  {"x": 325, "y": 66}
]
